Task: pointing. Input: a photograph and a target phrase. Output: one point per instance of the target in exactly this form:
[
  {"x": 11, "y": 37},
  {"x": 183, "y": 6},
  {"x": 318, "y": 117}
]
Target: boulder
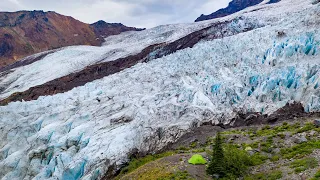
[
  {"x": 311, "y": 133},
  {"x": 300, "y": 139},
  {"x": 316, "y": 122},
  {"x": 277, "y": 150}
]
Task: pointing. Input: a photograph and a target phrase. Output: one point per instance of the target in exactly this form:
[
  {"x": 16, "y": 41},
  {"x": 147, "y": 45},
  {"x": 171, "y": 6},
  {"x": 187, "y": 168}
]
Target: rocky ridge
[{"x": 25, "y": 33}]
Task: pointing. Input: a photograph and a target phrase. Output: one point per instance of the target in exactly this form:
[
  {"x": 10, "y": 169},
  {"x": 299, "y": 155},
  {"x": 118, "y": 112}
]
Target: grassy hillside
[{"x": 287, "y": 150}]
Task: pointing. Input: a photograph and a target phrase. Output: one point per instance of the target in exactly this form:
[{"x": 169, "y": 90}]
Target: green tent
[{"x": 197, "y": 159}]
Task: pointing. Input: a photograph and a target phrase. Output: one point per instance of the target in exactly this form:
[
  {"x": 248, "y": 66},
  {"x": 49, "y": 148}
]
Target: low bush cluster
[
  {"x": 228, "y": 161},
  {"x": 304, "y": 164}
]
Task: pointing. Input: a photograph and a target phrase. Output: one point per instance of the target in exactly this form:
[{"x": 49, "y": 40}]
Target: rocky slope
[
  {"x": 161, "y": 84},
  {"x": 233, "y": 7},
  {"x": 28, "y": 32},
  {"x": 103, "y": 29},
  {"x": 283, "y": 150}
]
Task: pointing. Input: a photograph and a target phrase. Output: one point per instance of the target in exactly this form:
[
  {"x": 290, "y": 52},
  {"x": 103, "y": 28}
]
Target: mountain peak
[
  {"x": 23, "y": 33},
  {"x": 103, "y": 23},
  {"x": 233, "y": 7},
  {"x": 103, "y": 29}
]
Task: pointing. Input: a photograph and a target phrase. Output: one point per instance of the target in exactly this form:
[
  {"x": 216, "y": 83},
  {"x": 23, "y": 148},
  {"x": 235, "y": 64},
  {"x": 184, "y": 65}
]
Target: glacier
[
  {"x": 74, "y": 136},
  {"x": 75, "y": 58}
]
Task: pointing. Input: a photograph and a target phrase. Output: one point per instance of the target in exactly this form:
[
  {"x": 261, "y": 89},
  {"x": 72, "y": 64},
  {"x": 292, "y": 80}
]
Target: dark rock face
[
  {"x": 25, "y": 33},
  {"x": 233, "y": 7},
  {"x": 289, "y": 111},
  {"x": 5, "y": 48},
  {"x": 5, "y": 45},
  {"x": 273, "y": 1},
  {"x": 103, "y": 29}
]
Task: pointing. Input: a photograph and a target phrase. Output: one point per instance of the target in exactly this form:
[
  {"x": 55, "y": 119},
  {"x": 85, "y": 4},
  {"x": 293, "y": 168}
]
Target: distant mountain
[
  {"x": 27, "y": 32},
  {"x": 104, "y": 29},
  {"x": 233, "y": 7}
]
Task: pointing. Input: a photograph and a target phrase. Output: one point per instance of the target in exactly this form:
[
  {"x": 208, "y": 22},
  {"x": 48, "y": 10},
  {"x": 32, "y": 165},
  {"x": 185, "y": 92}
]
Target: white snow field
[
  {"x": 75, "y": 58},
  {"x": 72, "y": 136}
]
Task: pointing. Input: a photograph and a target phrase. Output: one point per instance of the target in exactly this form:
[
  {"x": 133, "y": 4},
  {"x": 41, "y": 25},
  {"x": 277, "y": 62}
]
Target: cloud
[
  {"x": 138, "y": 13},
  {"x": 10, "y": 5}
]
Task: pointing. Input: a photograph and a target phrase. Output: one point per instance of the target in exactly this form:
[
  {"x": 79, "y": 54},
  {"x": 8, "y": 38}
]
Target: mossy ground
[{"x": 275, "y": 154}]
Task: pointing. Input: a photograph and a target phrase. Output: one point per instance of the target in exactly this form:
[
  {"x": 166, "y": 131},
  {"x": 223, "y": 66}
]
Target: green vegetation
[
  {"x": 268, "y": 145},
  {"x": 255, "y": 144},
  {"x": 136, "y": 163},
  {"x": 235, "y": 131},
  {"x": 300, "y": 150},
  {"x": 273, "y": 175},
  {"x": 304, "y": 164},
  {"x": 281, "y": 135},
  {"x": 306, "y": 127},
  {"x": 268, "y": 131},
  {"x": 236, "y": 161},
  {"x": 197, "y": 159},
  {"x": 182, "y": 148},
  {"x": 217, "y": 164},
  {"x": 273, "y": 131},
  {"x": 316, "y": 176},
  {"x": 230, "y": 162},
  {"x": 233, "y": 160},
  {"x": 193, "y": 144},
  {"x": 285, "y": 127},
  {"x": 275, "y": 158},
  {"x": 180, "y": 175},
  {"x": 198, "y": 150},
  {"x": 258, "y": 159}
]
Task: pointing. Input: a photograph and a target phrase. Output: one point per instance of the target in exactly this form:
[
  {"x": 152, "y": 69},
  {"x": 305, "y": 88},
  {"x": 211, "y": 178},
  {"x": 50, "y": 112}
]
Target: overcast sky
[{"x": 138, "y": 13}]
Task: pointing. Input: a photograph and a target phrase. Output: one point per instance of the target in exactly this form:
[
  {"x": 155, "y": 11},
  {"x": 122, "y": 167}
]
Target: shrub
[
  {"x": 193, "y": 144},
  {"x": 266, "y": 127},
  {"x": 300, "y": 150},
  {"x": 200, "y": 150},
  {"x": 266, "y": 146},
  {"x": 307, "y": 127},
  {"x": 237, "y": 162},
  {"x": 304, "y": 164},
  {"x": 275, "y": 158},
  {"x": 269, "y": 131},
  {"x": 254, "y": 145},
  {"x": 273, "y": 175},
  {"x": 229, "y": 162},
  {"x": 281, "y": 135},
  {"x": 258, "y": 159},
  {"x": 183, "y": 148},
  {"x": 317, "y": 175}
]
